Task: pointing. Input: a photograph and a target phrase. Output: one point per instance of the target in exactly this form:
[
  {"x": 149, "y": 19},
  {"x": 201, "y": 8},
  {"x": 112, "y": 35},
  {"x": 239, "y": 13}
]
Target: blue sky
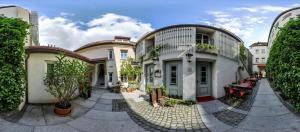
[{"x": 98, "y": 19}]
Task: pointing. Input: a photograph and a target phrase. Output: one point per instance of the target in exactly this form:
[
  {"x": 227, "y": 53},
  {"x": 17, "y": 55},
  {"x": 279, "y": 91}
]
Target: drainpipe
[{"x": 26, "y": 77}]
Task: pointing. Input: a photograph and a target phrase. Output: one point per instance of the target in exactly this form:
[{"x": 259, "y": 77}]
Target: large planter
[
  {"x": 62, "y": 111},
  {"x": 159, "y": 93},
  {"x": 154, "y": 98}
]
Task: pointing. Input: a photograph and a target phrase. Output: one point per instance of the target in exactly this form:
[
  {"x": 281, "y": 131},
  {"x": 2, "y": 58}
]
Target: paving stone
[
  {"x": 78, "y": 110},
  {"x": 33, "y": 116},
  {"x": 107, "y": 116},
  {"x": 95, "y": 96},
  {"x": 269, "y": 111},
  {"x": 84, "y": 102},
  {"x": 102, "y": 107},
  {"x": 56, "y": 128},
  {"x": 105, "y": 101},
  {"x": 13, "y": 127},
  {"x": 111, "y": 96},
  {"x": 90, "y": 125},
  {"x": 51, "y": 118}
]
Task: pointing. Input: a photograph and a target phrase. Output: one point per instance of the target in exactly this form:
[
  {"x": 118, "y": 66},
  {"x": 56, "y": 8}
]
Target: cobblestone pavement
[{"x": 178, "y": 118}]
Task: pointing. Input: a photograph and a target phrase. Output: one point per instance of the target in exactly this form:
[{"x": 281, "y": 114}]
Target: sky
[{"x": 70, "y": 24}]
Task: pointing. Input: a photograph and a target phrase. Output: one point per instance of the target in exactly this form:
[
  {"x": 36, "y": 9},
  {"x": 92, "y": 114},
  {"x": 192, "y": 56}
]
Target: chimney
[{"x": 122, "y": 39}]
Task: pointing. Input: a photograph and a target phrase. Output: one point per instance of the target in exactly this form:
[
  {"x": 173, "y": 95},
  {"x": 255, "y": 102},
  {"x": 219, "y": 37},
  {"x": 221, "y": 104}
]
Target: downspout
[{"x": 26, "y": 76}]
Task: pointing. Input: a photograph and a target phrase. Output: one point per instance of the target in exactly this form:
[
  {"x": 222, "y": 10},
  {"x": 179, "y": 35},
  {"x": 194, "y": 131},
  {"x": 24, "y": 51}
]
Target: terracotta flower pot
[{"x": 62, "y": 111}]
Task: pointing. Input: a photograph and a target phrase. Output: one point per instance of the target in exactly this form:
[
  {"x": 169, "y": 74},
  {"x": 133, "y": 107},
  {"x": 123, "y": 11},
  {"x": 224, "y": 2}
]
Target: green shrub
[
  {"x": 64, "y": 78},
  {"x": 13, "y": 32},
  {"x": 205, "y": 46},
  {"x": 171, "y": 102},
  {"x": 188, "y": 102},
  {"x": 283, "y": 64}
]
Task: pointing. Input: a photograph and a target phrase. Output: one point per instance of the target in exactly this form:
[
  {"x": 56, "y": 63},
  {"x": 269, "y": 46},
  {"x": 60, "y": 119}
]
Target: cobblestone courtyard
[{"x": 129, "y": 112}]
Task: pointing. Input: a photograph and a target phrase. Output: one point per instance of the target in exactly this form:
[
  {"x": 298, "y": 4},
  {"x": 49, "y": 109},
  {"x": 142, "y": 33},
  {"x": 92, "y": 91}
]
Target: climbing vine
[
  {"x": 13, "y": 32},
  {"x": 283, "y": 65}
]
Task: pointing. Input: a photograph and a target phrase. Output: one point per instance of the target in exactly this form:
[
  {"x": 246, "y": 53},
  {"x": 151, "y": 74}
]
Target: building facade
[
  {"x": 29, "y": 16},
  {"x": 260, "y": 53},
  {"x": 279, "y": 21},
  {"x": 113, "y": 52},
  {"x": 187, "y": 71}
]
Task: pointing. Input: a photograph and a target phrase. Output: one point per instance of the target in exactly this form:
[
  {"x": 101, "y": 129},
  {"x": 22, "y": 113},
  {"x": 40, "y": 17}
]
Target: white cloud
[
  {"x": 265, "y": 8},
  {"x": 243, "y": 26},
  {"x": 62, "y": 32},
  {"x": 66, "y": 14}
]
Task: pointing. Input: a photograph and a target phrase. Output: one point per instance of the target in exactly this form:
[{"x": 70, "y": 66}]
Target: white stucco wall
[
  {"x": 226, "y": 70},
  {"x": 36, "y": 72},
  {"x": 112, "y": 65}
]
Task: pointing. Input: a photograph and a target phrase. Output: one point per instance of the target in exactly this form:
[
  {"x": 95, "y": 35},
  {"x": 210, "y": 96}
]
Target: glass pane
[
  {"x": 205, "y": 39},
  {"x": 173, "y": 75}
]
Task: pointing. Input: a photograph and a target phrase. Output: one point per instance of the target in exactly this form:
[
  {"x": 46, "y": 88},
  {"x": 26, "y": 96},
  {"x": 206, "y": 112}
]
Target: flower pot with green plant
[{"x": 63, "y": 80}]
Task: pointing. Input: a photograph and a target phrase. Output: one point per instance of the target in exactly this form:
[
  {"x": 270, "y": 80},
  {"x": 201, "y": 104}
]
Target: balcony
[{"x": 206, "y": 48}]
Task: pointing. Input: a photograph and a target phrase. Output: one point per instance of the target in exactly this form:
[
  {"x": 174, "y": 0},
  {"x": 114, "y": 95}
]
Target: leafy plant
[
  {"x": 205, "y": 46},
  {"x": 188, "y": 102},
  {"x": 64, "y": 79},
  {"x": 13, "y": 32},
  {"x": 283, "y": 64},
  {"x": 243, "y": 56},
  {"x": 132, "y": 72},
  {"x": 154, "y": 53},
  {"x": 164, "y": 90},
  {"x": 149, "y": 89},
  {"x": 171, "y": 102}
]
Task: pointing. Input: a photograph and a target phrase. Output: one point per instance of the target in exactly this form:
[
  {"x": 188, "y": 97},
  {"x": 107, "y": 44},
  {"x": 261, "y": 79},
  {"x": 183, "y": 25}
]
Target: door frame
[
  {"x": 209, "y": 64},
  {"x": 104, "y": 72},
  {"x": 179, "y": 64}
]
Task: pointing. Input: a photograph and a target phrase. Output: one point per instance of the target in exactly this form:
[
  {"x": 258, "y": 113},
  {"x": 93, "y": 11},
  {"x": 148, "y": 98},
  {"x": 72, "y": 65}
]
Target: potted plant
[
  {"x": 63, "y": 80},
  {"x": 149, "y": 91},
  {"x": 86, "y": 91}
]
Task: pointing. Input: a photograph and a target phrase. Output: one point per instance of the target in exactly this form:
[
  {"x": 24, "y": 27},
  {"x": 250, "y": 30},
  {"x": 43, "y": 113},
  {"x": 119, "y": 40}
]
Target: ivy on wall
[
  {"x": 283, "y": 64},
  {"x": 13, "y": 32}
]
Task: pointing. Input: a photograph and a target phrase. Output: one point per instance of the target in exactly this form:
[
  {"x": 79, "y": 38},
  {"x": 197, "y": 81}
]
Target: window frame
[
  {"x": 110, "y": 54},
  {"x": 122, "y": 52},
  {"x": 110, "y": 76}
]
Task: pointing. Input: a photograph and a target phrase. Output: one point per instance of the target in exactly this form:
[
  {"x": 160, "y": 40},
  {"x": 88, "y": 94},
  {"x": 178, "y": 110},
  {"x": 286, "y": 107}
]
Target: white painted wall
[
  {"x": 36, "y": 72},
  {"x": 113, "y": 65},
  {"x": 259, "y": 55}
]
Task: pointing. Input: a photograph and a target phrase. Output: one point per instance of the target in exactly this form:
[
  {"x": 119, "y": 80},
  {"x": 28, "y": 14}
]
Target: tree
[
  {"x": 64, "y": 78},
  {"x": 284, "y": 61},
  {"x": 132, "y": 72},
  {"x": 13, "y": 32}
]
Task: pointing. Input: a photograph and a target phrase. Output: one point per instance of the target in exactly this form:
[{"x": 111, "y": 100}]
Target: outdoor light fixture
[
  {"x": 157, "y": 73},
  {"x": 188, "y": 57}
]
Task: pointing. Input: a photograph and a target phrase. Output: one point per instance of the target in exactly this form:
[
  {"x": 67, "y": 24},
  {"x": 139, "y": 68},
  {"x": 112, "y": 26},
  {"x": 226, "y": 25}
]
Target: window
[
  {"x": 203, "y": 75},
  {"x": 263, "y": 60},
  {"x": 110, "y": 53},
  {"x": 110, "y": 77},
  {"x": 257, "y": 51},
  {"x": 124, "y": 54},
  {"x": 173, "y": 75},
  {"x": 263, "y": 51},
  {"x": 256, "y": 60},
  {"x": 202, "y": 39},
  {"x": 49, "y": 67}
]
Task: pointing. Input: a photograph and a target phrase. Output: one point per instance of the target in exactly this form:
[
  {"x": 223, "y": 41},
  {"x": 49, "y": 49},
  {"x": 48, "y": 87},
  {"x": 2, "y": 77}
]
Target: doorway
[
  {"x": 101, "y": 74},
  {"x": 203, "y": 79}
]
